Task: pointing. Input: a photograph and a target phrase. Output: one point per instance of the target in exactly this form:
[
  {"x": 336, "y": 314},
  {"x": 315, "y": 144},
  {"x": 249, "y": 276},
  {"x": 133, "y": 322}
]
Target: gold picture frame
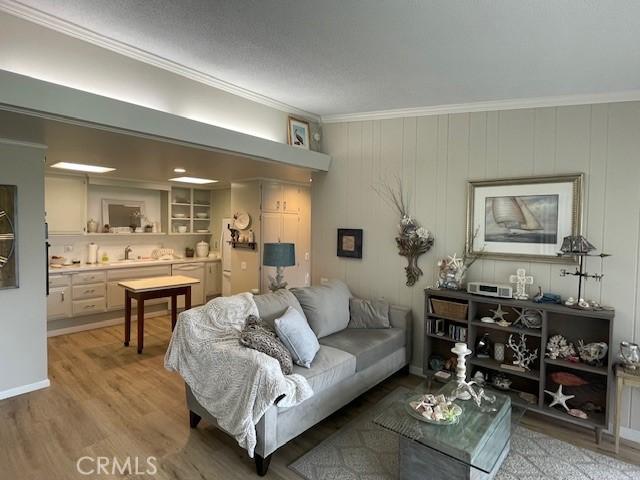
[{"x": 523, "y": 218}]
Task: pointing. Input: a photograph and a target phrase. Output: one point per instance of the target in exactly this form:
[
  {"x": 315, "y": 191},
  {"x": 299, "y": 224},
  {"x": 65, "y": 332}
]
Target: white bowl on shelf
[
  {"x": 179, "y": 215},
  {"x": 182, "y": 229},
  {"x": 202, "y": 215}
]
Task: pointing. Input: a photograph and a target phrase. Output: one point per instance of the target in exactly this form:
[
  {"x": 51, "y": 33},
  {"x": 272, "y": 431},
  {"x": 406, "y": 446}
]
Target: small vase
[{"x": 498, "y": 352}]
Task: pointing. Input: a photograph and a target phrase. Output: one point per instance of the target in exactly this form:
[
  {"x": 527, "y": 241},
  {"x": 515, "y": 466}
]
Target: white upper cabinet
[
  {"x": 271, "y": 197},
  {"x": 291, "y": 199},
  {"x": 281, "y": 198},
  {"x": 65, "y": 200}
]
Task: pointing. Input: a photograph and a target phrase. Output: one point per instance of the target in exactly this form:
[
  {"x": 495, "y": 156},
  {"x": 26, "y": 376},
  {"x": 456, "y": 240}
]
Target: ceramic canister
[{"x": 202, "y": 249}]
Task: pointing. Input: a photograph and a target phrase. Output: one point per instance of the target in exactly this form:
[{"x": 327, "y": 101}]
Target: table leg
[
  {"x": 140, "y": 324},
  {"x": 619, "y": 386},
  {"x": 174, "y": 311},
  {"x": 187, "y": 299},
  {"x": 127, "y": 318}
]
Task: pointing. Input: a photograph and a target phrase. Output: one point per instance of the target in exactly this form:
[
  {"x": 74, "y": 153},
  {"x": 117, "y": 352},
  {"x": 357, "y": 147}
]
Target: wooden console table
[
  {"x": 148, "y": 289},
  {"x": 624, "y": 378}
]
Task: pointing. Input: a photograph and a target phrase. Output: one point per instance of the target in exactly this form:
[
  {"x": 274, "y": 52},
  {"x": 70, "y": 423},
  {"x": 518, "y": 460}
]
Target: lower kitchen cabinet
[
  {"x": 59, "y": 303},
  {"x": 213, "y": 280}
]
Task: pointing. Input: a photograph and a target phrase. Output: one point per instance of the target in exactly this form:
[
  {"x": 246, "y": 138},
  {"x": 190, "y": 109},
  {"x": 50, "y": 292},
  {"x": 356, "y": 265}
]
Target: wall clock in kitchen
[{"x": 8, "y": 270}]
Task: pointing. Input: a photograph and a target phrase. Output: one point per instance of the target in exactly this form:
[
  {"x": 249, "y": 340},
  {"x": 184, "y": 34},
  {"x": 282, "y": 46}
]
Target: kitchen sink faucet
[{"x": 127, "y": 251}]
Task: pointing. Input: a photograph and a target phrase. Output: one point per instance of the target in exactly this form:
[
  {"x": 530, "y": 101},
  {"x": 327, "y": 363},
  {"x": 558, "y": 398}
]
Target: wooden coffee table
[
  {"x": 474, "y": 448},
  {"x": 150, "y": 288}
]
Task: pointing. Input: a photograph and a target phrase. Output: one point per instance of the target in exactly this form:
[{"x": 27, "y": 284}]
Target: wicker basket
[{"x": 449, "y": 309}]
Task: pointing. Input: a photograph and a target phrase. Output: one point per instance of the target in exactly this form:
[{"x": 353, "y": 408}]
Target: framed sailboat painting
[{"x": 523, "y": 218}]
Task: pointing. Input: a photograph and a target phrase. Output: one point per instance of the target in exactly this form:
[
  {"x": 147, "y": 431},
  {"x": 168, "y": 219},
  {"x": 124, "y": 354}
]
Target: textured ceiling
[{"x": 345, "y": 56}]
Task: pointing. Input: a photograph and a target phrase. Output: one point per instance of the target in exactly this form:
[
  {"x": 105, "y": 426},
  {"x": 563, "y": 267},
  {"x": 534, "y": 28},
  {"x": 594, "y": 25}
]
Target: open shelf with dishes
[
  {"x": 190, "y": 211},
  {"x": 588, "y": 383}
]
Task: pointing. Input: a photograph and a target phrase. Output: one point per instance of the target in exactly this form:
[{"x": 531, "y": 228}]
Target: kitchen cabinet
[
  {"x": 282, "y": 198},
  {"x": 193, "y": 270},
  {"x": 65, "y": 199},
  {"x": 213, "y": 280},
  {"x": 285, "y": 228},
  {"x": 58, "y": 303}
]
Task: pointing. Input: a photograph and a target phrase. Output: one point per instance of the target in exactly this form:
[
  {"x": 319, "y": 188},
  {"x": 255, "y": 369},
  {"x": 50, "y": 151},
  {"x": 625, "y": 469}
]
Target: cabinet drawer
[
  {"x": 139, "y": 272},
  {"x": 87, "y": 278},
  {"x": 87, "y": 307},
  {"x": 88, "y": 291},
  {"x": 56, "y": 281}
]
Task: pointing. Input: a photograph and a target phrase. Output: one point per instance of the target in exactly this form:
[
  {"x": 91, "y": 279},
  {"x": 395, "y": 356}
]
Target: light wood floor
[{"x": 105, "y": 400}]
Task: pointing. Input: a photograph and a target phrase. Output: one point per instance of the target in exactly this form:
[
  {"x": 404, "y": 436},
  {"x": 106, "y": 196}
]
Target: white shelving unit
[{"x": 191, "y": 208}]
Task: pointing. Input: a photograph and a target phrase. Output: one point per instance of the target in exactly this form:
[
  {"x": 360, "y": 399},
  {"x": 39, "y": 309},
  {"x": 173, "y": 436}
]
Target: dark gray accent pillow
[
  {"x": 259, "y": 336},
  {"x": 368, "y": 313},
  {"x": 274, "y": 305},
  {"x": 325, "y": 306}
]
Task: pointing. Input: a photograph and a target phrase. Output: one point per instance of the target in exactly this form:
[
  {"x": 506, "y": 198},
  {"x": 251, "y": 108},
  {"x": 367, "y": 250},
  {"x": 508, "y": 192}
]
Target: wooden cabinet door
[
  {"x": 271, "y": 233},
  {"x": 272, "y": 197},
  {"x": 213, "y": 279},
  {"x": 65, "y": 200},
  {"x": 291, "y": 234},
  {"x": 291, "y": 199},
  {"x": 59, "y": 303}
]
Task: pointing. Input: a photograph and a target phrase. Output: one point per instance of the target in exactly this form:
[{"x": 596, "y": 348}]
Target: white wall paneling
[{"x": 437, "y": 155}]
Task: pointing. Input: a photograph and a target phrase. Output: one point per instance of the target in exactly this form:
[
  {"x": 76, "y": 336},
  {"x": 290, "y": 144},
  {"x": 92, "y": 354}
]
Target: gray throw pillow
[
  {"x": 325, "y": 306},
  {"x": 368, "y": 313},
  {"x": 274, "y": 305},
  {"x": 294, "y": 331},
  {"x": 259, "y": 336}
]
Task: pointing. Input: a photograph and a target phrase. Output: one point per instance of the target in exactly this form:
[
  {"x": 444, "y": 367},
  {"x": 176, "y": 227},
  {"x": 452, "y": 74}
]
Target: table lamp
[{"x": 278, "y": 255}]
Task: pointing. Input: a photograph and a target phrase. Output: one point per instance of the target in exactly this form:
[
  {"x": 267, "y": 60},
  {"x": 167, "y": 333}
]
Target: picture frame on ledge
[
  {"x": 350, "y": 242},
  {"x": 298, "y": 133},
  {"x": 524, "y": 218}
]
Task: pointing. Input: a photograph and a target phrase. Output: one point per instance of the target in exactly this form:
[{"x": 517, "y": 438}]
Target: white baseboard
[
  {"x": 104, "y": 323},
  {"x": 630, "y": 434},
  {"x": 12, "y": 392}
]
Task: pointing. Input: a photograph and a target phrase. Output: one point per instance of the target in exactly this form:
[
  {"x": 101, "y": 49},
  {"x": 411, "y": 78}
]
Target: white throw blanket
[{"x": 234, "y": 383}]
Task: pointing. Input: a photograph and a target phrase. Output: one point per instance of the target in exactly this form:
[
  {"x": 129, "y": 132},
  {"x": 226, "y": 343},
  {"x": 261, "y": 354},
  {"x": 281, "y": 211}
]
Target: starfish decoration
[
  {"x": 499, "y": 313},
  {"x": 559, "y": 398},
  {"x": 455, "y": 261}
]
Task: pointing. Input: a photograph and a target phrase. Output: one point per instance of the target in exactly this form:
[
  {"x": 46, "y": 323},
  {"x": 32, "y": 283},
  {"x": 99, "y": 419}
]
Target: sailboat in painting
[
  {"x": 514, "y": 215},
  {"x": 522, "y": 219}
]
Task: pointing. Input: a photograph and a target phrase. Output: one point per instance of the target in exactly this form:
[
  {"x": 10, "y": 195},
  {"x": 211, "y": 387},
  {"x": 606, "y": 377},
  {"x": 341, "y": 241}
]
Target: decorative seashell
[
  {"x": 437, "y": 416},
  {"x": 456, "y": 410},
  {"x": 428, "y": 411},
  {"x": 440, "y": 399},
  {"x": 426, "y": 415},
  {"x": 574, "y": 412}
]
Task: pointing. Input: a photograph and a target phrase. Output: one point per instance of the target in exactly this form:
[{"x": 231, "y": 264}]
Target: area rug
[{"x": 362, "y": 450}]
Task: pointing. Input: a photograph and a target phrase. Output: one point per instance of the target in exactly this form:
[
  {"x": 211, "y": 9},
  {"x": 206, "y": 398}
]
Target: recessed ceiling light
[
  {"x": 179, "y": 170},
  {"x": 199, "y": 181},
  {"x": 79, "y": 167}
]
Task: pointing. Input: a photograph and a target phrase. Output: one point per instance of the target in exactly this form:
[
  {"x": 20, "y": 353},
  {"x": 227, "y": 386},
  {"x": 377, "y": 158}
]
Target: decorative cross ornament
[{"x": 521, "y": 279}]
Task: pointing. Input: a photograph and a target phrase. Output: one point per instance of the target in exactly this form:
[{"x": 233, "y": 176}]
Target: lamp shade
[
  {"x": 576, "y": 245},
  {"x": 279, "y": 255}
]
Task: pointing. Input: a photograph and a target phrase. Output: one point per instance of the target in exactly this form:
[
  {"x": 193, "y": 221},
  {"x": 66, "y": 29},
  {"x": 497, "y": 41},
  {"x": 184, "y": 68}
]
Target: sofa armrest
[{"x": 401, "y": 317}]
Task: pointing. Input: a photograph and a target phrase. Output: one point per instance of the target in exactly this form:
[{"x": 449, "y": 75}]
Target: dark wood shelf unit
[
  {"x": 248, "y": 245},
  {"x": 530, "y": 332},
  {"x": 441, "y": 337},
  {"x": 556, "y": 319}
]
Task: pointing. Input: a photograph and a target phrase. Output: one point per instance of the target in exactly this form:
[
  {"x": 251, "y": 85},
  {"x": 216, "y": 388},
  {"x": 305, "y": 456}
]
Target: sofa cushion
[
  {"x": 330, "y": 366},
  {"x": 367, "y": 345},
  {"x": 274, "y": 305},
  {"x": 259, "y": 336},
  {"x": 368, "y": 313},
  {"x": 294, "y": 331},
  {"x": 325, "y": 306}
]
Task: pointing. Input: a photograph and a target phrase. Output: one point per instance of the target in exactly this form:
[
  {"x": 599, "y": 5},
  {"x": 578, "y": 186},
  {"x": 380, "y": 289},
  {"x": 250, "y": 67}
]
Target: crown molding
[
  {"x": 513, "y": 104},
  {"x": 73, "y": 30}
]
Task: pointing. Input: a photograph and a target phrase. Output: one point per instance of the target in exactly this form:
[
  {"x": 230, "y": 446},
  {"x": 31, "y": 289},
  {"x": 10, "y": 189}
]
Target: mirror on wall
[{"x": 118, "y": 213}]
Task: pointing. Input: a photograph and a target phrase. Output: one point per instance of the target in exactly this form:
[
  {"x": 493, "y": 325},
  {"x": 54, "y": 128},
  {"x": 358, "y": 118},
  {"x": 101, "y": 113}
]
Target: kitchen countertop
[{"x": 127, "y": 264}]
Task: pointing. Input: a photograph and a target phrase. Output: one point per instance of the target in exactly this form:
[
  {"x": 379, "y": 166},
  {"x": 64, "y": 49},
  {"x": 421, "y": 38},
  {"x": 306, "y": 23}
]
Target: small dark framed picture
[{"x": 350, "y": 242}]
